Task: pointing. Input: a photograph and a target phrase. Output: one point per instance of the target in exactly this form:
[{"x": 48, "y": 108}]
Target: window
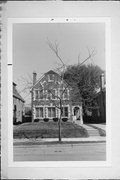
[
  {"x": 65, "y": 111},
  {"x": 65, "y": 94},
  {"x": 36, "y": 94},
  {"x": 61, "y": 93},
  {"x": 41, "y": 94},
  {"x": 43, "y": 84},
  {"x": 53, "y": 94},
  {"x": 48, "y": 94},
  {"x": 51, "y": 112},
  {"x": 39, "y": 112},
  {"x": 51, "y": 77}
]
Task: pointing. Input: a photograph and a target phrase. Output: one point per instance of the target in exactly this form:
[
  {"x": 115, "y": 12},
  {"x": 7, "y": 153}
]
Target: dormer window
[{"x": 51, "y": 77}]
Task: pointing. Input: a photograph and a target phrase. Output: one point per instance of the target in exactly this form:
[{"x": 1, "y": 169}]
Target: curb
[{"x": 55, "y": 141}]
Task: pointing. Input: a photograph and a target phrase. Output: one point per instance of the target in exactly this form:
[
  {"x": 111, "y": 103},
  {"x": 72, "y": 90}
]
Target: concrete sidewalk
[
  {"x": 72, "y": 140},
  {"x": 93, "y": 129},
  {"x": 101, "y": 126}
]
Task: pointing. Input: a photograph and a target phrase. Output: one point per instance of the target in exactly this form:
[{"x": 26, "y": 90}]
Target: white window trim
[
  {"x": 35, "y": 94},
  {"x": 51, "y": 107},
  {"x": 51, "y": 95},
  {"x": 55, "y": 95},
  {"x": 49, "y": 80},
  {"x": 67, "y": 94},
  {"x": 63, "y": 97},
  {"x": 43, "y": 95},
  {"x": 42, "y": 83},
  {"x": 39, "y": 114},
  {"x": 57, "y": 111}
]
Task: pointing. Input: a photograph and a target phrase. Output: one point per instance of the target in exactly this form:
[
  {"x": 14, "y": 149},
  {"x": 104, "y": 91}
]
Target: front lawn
[{"x": 48, "y": 130}]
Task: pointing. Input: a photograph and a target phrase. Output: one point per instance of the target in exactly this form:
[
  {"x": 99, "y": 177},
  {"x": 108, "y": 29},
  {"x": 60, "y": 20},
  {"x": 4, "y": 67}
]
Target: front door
[{"x": 77, "y": 113}]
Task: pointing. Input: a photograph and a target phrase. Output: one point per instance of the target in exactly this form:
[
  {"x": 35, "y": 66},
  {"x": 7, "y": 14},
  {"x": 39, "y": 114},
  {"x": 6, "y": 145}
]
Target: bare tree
[{"x": 55, "y": 48}]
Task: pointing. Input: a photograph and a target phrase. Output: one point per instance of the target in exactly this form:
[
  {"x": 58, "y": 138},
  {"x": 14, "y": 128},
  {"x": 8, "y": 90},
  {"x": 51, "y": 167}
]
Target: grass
[{"x": 48, "y": 130}]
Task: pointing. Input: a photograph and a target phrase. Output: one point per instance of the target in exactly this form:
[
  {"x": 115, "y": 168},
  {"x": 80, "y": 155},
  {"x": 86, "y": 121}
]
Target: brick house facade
[{"x": 46, "y": 95}]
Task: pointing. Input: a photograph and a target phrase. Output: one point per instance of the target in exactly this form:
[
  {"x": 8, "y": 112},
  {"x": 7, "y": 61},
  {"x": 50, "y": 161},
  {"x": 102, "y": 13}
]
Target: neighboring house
[
  {"x": 18, "y": 106},
  {"x": 101, "y": 100},
  {"x": 47, "y": 93},
  {"x": 97, "y": 114}
]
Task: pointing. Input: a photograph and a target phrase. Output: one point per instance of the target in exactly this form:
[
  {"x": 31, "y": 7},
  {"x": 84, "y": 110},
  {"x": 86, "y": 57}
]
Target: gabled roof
[
  {"x": 49, "y": 72},
  {"x": 16, "y": 94}
]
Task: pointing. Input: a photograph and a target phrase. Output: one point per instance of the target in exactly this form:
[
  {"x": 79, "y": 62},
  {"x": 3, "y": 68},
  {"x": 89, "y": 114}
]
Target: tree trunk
[
  {"x": 59, "y": 122},
  {"x": 32, "y": 106}
]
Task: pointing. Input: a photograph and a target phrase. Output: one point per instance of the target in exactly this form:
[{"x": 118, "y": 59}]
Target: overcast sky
[{"x": 32, "y": 53}]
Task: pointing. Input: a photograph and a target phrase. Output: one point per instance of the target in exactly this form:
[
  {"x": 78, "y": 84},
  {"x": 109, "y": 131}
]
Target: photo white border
[{"x": 63, "y": 164}]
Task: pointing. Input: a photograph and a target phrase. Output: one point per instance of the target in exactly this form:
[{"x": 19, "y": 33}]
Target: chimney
[
  {"x": 102, "y": 81},
  {"x": 34, "y": 77}
]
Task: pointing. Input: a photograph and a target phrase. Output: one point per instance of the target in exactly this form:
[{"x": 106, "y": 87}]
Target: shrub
[
  {"x": 46, "y": 119},
  {"x": 36, "y": 120},
  {"x": 64, "y": 119},
  {"x": 55, "y": 119},
  {"x": 17, "y": 123}
]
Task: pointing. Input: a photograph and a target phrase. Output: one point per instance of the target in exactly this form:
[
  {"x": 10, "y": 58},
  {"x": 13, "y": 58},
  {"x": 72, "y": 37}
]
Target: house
[
  {"x": 101, "y": 101},
  {"x": 50, "y": 95},
  {"x": 97, "y": 114},
  {"x": 18, "y": 106}
]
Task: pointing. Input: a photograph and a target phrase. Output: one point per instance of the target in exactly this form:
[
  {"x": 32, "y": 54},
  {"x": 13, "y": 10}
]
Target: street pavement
[
  {"x": 92, "y": 148},
  {"x": 91, "y": 151}
]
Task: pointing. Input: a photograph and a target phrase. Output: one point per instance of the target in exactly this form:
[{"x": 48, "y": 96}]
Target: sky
[{"x": 32, "y": 53}]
